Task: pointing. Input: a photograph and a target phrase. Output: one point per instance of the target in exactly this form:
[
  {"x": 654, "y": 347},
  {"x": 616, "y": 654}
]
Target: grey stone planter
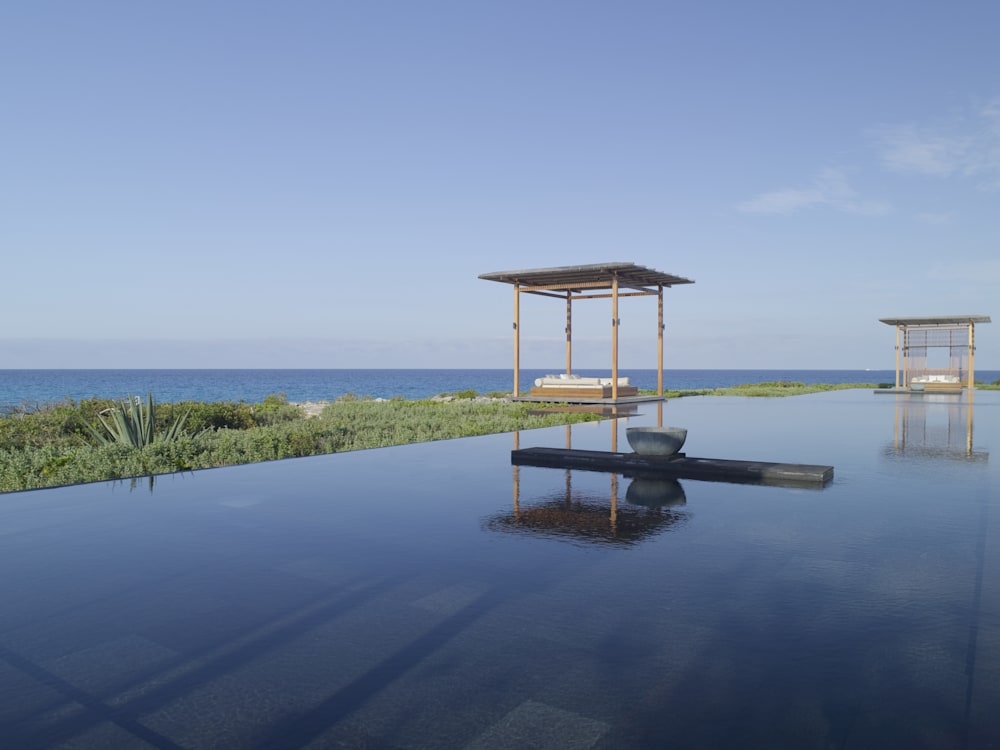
[{"x": 656, "y": 441}]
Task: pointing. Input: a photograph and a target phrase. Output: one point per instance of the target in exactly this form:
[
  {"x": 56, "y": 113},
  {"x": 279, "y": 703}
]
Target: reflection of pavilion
[
  {"x": 587, "y": 519},
  {"x": 934, "y": 427},
  {"x": 648, "y": 509}
]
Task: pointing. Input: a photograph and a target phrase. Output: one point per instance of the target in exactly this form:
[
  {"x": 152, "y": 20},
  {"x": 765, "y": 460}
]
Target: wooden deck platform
[
  {"x": 678, "y": 467},
  {"x": 925, "y": 392},
  {"x": 563, "y": 393},
  {"x": 551, "y": 399}
]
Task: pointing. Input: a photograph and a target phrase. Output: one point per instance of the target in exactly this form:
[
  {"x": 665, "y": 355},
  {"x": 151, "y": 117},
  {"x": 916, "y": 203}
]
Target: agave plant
[{"x": 133, "y": 424}]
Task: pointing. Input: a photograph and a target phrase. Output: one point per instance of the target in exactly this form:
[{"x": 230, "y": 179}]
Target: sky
[{"x": 320, "y": 183}]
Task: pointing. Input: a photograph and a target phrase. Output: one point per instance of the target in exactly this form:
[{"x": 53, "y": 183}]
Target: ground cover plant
[{"x": 772, "y": 389}]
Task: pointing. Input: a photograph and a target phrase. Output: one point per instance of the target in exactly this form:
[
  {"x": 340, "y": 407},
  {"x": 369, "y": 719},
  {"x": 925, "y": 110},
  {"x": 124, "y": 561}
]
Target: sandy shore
[
  {"x": 315, "y": 408},
  {"x": 312, "y": 408}
]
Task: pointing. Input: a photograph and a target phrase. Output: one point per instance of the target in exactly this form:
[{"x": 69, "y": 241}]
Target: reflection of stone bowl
[
  {"x": 656, "y": 441},
  {"x": 656, "y": 493}
]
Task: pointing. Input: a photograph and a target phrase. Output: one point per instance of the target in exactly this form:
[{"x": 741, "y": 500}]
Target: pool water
[{"x": 435, "y": 596}]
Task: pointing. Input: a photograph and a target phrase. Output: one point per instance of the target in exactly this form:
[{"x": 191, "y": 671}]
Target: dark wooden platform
[
  {"x": 549, "y": 399},
  {"x": 680, "y": 466}
]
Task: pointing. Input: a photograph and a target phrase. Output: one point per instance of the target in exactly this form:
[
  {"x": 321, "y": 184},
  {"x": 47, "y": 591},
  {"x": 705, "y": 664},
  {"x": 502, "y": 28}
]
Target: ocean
[{"x": 36, "y": 387}]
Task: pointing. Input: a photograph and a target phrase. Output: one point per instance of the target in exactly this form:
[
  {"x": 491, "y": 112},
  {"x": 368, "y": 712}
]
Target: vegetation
[
  {"x": 62, "y": 443},
  {"x": 771, "y": 389},
  {"x": 50, "y": 445}
]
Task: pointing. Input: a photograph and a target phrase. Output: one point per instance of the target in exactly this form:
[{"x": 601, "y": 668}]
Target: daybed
[
  {"x": 936, "y": 383},
  {"x": 566, "y": 385}
]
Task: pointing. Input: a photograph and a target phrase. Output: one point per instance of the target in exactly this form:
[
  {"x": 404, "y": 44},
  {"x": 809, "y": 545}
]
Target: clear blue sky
[{"x": 318, "y": 184}]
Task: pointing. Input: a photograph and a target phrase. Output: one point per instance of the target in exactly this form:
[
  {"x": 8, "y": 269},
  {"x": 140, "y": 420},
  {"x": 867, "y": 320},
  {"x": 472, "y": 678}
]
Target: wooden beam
[
  {"x": 608, "y": 296},
  {"x": 553, "y": 295},
  {"x": 567, "y": 287}
]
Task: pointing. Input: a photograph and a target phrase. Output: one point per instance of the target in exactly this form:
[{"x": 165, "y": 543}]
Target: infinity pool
[{"x": 435, "y": 596}]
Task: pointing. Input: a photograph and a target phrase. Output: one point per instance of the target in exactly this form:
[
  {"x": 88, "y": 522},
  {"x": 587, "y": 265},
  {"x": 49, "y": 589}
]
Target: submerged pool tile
[
  {"x": 24, "y": 698},
  {"x": 540, "y": 727},
  {"x": 449, "y": 600},
  {"x": 325, "y": 570},
  {"x": 111, "y": 665},
  {"x": 106, "y": 735}
]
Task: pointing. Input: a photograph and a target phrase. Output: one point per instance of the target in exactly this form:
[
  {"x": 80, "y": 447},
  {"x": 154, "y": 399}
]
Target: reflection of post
[
  {"x": 614, "y": 501},
  {"x": 968, "y": 434},
  {"x": 517, "y": 477},
  {"x": 904, "y": 426},
  {"x": 895, "y": 427},
  {"x": 659, "y": 414},
  {"x": 569, "y": 437},
  {"x": 614, "y": 434}
]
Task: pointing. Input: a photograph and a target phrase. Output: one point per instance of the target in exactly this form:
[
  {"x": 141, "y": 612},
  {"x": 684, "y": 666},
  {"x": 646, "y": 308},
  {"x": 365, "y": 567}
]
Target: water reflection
[
  {"x": 588, "y": 517},
  {"x": 656, "y": 493},
  {"x": 934, "y": 427}
]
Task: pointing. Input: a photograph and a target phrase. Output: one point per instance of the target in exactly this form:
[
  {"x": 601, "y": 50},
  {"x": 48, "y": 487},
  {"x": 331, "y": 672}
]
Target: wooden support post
[
  {"x": 972, "y": 355},
  {"x": 517, "y": 340},
  {"x": 659, "y": 340},
  {"x": 569, "y": 332},
  {"x": 906, "y": 355},
  {"x": 897, "y": 355},
  {"x": 614, "y": 337}
]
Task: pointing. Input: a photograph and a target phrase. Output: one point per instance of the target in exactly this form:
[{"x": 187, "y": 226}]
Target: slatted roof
[
  {"x": 594, "y": 276},
  {"x": 942, "y": 320}
]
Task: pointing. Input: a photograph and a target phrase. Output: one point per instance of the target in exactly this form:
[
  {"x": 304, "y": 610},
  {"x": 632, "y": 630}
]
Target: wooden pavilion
[
  {"x": 936, "y": 354},
  {"x": 597, "y": 281}
]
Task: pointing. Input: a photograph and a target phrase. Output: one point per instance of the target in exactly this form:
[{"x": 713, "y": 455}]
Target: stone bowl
[{"x": 656, "y": 441}]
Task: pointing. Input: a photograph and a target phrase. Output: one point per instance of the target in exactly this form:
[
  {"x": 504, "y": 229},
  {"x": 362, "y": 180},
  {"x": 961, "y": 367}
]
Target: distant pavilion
[
  {"x": 953, "y": 336},
  {"x": 597, "y": 281}
]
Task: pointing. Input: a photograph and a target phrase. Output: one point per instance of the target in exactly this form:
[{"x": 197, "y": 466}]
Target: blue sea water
[{"x": 34, "y": 387}]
